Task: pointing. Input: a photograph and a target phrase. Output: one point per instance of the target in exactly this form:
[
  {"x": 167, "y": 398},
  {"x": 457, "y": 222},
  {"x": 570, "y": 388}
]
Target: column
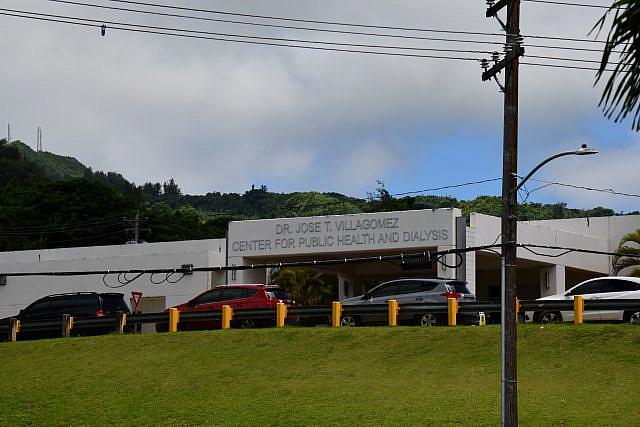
[{"x": 552, "y": 280}]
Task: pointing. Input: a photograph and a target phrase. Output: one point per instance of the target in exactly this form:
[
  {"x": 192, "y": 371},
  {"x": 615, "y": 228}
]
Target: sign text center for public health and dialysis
[{"x": 339, "y": 233}]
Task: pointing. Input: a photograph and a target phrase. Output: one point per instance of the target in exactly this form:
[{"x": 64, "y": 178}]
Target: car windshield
[
  {"x": 460, "y": 287},
  {"x": 114, "y": 302},
  {"x": 278, "y": 294}
]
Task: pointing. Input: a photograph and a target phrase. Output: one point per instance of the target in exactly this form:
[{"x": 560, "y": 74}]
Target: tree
[
  {"x": 170, "y": 188},
  {"x": 621, "y": 95},
  {"x": 153, "y": 191},
  {"x": 307, "y": 287},
  {"x": 380, "y": 199},
  {"x": 629, "y": 245}
]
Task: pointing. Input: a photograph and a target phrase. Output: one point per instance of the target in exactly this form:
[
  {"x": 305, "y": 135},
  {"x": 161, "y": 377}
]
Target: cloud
[
  {"x": 612, "y": 169},
  {"x": 225, "y": 116}
]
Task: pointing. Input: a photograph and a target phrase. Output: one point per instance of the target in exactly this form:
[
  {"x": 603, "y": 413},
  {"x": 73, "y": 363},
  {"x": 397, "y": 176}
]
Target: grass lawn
[{"x": 585, "y": 375}]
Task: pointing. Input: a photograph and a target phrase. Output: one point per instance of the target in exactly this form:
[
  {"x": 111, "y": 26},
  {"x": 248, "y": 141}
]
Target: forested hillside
[{"x": 49, "y": 201}]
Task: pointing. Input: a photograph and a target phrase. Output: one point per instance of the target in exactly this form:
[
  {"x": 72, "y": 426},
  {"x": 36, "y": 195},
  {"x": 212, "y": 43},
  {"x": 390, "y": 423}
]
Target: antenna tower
[{"x": 39, "y": 140}]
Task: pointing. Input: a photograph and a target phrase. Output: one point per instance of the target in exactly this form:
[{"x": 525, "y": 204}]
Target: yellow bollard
[
  {"x": 517, "y": 308},
  {"x": 578, "y": 309},
  {"x": 67, "y": 325},
  {"x": 174, "y": 318},
  {"x": 121, "y": 322},
  {"x": 452, "y": 310},
  {"x": 336, "y": 313},
  {"x": 227, "y": 316},
  {"x": 14, "y": 326},
  {"x": 393, "y": 312},
  {"x": 281, "y": 314}
]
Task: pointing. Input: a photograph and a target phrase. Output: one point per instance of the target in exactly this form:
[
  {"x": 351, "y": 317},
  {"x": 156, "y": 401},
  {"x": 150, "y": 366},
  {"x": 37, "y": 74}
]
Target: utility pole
[
  {"x": 510, "y": 64},
  {"x": 8, "y": 133},
  {"x": 136, "y": 227}
]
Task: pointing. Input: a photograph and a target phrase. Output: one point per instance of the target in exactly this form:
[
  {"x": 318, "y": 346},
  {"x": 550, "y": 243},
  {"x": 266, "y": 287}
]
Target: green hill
[
  {"x": 406, "y": 376},
  {"x": 54, "y": 166},
  {"x": 46, "y": 200}
]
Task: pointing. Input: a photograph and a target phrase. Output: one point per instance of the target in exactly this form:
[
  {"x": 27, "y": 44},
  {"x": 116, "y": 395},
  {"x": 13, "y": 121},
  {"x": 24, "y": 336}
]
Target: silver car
[
  {"x": 411, "y": 291},
  {"x": 616, "y": 287}
]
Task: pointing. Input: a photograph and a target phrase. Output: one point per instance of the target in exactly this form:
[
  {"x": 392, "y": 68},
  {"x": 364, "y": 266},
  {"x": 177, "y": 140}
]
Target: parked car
[
  {"x": 237, "y": 297},
  {"x": 79, "y": 304},
  {"x": 412, "y": 291},
  {"x": 616, "y": 287}
]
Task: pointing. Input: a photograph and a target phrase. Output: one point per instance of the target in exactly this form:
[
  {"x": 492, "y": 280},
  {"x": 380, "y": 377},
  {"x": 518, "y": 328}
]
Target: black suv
[{"x": 79, "y": 304}]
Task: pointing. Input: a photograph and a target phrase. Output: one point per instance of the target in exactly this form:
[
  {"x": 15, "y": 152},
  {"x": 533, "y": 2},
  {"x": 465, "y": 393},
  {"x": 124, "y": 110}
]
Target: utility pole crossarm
[
  {"x": 517, "y": 52},
  {"x": 493, "y": 10}
]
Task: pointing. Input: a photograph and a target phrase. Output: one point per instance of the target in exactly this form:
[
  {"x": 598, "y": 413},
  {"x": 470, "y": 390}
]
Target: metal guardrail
[
  {"x": 324, "y": 312},
  {"x": 589, "y": 304},
  {"x": 148, "y": 318}
]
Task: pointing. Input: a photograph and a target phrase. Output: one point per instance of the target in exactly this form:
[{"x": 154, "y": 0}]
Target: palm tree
[
  {"x": 629, "y": 245},
  {"x": 621, "y": 94},
  {"x": 307, "y": 287}
]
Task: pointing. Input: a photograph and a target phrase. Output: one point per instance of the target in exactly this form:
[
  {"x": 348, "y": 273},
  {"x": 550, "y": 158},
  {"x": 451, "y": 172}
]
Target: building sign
[{"x": 384, "y": 230}]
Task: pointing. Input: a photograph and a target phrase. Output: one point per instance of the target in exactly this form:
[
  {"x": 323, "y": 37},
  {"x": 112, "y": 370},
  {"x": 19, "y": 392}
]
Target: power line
[
  {"x": 80, "y": 224},
  {"x": 253, "y": 42},
  {"x": 446, "y": 187},
  {"x": 571, "y": 67},
  {"x": 279, "y": 18},
  {"x": 89, "y": 237},
  {"x": 434, "y": 256},
  {"x": 258, "y": 40},
  {"x": 449, "y": 40},
  {"x": 262, "y": 24},
  {"x": 58, "y": 230},
  {"x": 582, "y": 187},
  {"x": 326, "y": 30},
  {"x": 563, "y": 3},
  {"x": 312, "y": 21},
  {"x": 279, "y": 39},
  {"x": 556, "y": 58}
]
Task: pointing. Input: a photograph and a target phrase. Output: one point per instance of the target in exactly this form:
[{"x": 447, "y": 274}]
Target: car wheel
[
  {"x": 428, "y": 319},
  {"x": 248, "y": 324},
  {"x": 347, "y": 321},
  {"x": 632, "y": 317},
  {"x": 550, "y": 317}
]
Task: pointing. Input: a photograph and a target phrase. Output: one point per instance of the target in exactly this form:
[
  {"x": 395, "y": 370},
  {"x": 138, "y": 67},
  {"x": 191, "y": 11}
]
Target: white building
[
  {"x": 354, "y": 235},
  {"x": 328, "y": 237},
  {"x": 21, "y": 291}
]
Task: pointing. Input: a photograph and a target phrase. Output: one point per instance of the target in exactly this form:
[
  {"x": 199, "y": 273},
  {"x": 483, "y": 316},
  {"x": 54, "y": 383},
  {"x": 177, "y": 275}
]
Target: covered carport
[
  {"x": 353, "y": 279},
  {"x": 534, "y": 278}
]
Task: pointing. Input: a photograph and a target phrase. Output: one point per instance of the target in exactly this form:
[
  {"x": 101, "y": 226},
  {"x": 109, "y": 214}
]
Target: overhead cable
[
  {"x": 253, "y": 42},
  {"x": 564, "y": 3},
  {"x": 77, "y": 224},
  {"x": 247, "y": 36},
  {"x": 582, "y": 187},
  {"x": 326, "y": 30},
  {"x": 257, "y": 40},
  {"x": 445, "y": 187},
  {"x": 321, "y": 262},
  {"x": 191, "y": 31}
]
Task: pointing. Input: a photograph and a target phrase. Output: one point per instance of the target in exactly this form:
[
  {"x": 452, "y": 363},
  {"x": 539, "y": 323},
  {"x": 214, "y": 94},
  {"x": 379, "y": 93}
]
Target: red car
[{"x": 238, "y": 297}]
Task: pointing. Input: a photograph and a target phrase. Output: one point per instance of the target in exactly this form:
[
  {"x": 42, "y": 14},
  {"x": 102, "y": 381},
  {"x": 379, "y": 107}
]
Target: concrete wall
[
  {"x": 340, "y": 235},
  {"x": 487, "y": 231},
  {"x": 21, "y": 291},
  {"x": 610, "y": 228}
]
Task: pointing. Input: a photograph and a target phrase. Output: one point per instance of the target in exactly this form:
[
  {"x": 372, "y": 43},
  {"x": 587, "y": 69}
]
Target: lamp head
[{"x": 584, "y": 151}]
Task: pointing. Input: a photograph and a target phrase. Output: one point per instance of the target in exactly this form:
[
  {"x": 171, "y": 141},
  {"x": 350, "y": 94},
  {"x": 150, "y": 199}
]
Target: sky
[{"x": 219, "y": 116}]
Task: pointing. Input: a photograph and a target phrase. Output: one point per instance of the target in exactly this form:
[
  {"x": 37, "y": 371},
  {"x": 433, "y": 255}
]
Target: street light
[
  {"x": 582, "y": 151},
  {"x": 508, "y": 286}
]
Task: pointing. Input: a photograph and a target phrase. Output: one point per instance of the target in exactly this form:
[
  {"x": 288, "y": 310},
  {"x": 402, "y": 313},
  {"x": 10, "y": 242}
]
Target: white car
[{"x": 600, "y": 288}]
